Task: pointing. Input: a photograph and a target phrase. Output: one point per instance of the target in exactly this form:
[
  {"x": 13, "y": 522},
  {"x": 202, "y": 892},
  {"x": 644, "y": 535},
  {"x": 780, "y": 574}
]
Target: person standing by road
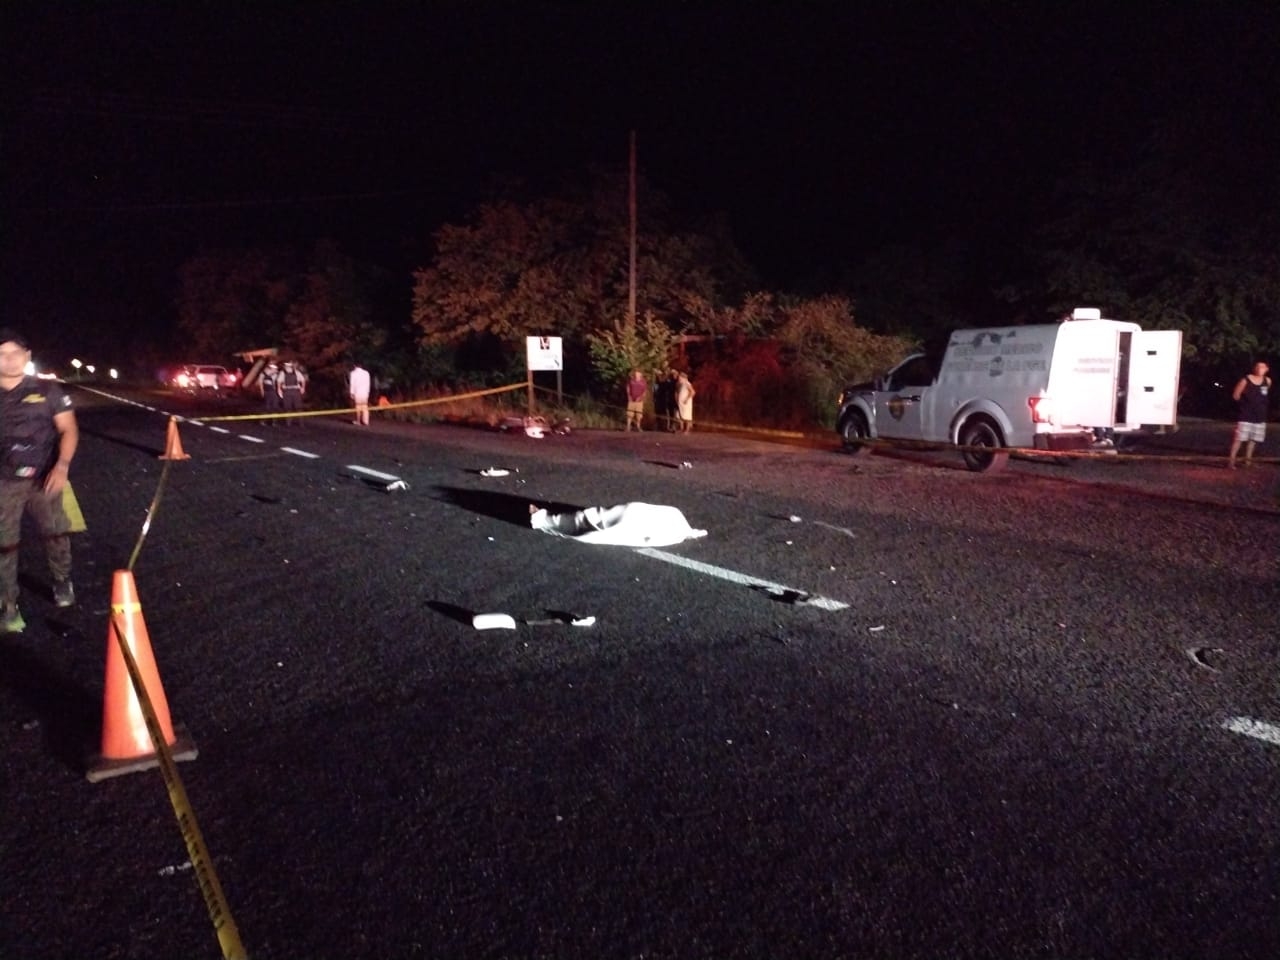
[
  {"x": 684, "y": 401},
  {"x": 1251, "y": 394},
  {"x": 40, "y": 437},
  {"x": 269, "y": 386},
  {"x": 637, "y": 390},
  {"x": 664, "y": 400},
  {"x": 358, "y": 386},
  {"x": 293, "y": 387}
]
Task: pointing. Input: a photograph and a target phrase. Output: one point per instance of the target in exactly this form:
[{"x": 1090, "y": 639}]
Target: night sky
[{"x": 135, "y": 133}]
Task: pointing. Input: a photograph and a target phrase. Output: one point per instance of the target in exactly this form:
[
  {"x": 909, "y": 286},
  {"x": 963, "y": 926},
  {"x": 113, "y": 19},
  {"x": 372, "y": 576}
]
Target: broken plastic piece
[
  {"x": 567, "y": 618},
  {"x": 493, "y": 621},
  {"x": 495, "y": 472}
]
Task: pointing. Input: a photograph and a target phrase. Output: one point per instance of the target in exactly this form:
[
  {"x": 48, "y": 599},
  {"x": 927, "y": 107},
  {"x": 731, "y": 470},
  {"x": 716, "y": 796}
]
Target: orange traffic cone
[
  {"x": 173, "y": 443},
  {"x": 126, "y": 742},
  {"x": 383, "y": 401}
]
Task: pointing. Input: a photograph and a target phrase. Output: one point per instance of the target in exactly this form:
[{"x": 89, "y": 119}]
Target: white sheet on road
[{"x": 624, "y": 525}]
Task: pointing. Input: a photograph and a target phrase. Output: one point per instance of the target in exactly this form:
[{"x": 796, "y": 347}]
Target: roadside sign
[{"x": 545, "y": 353}]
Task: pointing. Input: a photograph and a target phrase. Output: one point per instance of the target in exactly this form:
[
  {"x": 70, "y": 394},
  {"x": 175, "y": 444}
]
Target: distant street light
[{"x": 77, "y": 364}]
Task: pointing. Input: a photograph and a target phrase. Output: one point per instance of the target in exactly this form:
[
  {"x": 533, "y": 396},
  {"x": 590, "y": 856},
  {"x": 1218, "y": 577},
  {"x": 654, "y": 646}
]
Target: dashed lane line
[
  {"x": 1258, "y": 729},
  {"x": 301, "y": 453},
  {"x": 733, "y": 576},
  {"x": 376, "y": 474}
]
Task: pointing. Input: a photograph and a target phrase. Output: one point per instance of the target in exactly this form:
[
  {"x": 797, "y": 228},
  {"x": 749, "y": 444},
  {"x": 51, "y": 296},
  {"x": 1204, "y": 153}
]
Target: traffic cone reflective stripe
[
  {"x": 173, "y": 443},
  {"x": 126, "y": 741}
]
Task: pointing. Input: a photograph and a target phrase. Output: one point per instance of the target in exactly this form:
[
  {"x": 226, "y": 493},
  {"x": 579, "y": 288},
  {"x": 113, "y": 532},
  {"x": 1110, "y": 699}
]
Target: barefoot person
[{"x": 1251, "y": 393}]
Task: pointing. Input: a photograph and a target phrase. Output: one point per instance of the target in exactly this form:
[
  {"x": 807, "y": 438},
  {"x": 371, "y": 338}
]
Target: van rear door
[
  {"x": 1155, "y": 361},
  {"x": 1082, "y": 379}
]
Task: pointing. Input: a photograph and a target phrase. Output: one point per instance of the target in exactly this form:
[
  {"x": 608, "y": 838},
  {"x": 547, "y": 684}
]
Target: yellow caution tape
[
  {"x": 408, "y": 405},
  {"x": 224, "y": 925}
]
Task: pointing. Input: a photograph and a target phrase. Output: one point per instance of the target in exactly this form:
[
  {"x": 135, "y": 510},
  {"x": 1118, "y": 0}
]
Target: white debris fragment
[
  {"x": 495, "y": 472},
  {"x": 794, "y": 518},
  {"x": 875, "y": 629},
  {"x": 493, "y": 621}
]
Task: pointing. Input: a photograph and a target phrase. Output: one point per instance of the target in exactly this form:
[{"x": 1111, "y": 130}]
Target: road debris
[
  {"x": 493, "y": 621},
  {"x": 504, "y": 621},
  {"x": 1204, "y": 657}
]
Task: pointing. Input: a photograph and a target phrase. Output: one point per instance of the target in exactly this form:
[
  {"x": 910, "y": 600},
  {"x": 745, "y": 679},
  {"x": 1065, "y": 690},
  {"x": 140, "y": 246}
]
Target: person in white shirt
[{"x": 358, "y": 387}]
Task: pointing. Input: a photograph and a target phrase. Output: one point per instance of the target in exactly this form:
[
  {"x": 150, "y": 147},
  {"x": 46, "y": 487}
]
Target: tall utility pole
[{"x": 631, "y": 206}]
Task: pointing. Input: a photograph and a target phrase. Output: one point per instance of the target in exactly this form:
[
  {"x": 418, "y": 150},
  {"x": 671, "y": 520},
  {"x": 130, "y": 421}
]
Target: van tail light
[{"x": 1041, "y": 409}]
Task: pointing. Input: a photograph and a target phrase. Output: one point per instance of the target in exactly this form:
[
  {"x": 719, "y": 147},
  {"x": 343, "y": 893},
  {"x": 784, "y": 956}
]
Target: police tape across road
[
  {"x": 407, "y": 405},
  {"x": 822, "y": 440}
]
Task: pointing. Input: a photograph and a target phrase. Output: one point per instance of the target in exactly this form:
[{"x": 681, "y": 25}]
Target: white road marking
[
  {"x": 1258, "y": 729},
  {"x": 831, "y": 526},
  {"x": 822, "y": 603},
  {"x": 301, "y": 453},
  {"x": 219, "y": 429},
  {"x": 245, "y": 436},
  {"x": 376, "y": 474}
]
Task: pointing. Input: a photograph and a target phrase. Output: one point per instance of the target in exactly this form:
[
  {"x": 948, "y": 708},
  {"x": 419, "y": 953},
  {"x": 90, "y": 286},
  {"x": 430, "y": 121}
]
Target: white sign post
[{"x": 545, "y": 353}]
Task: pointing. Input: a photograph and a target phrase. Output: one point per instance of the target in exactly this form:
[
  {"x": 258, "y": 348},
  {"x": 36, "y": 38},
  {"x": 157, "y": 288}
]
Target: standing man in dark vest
[
  {"x": 293, "y": 387},
  {"x": 38, "y": 438},
  {"x": 269, "y": 383},
  {"x": 1251, "y": 394}
]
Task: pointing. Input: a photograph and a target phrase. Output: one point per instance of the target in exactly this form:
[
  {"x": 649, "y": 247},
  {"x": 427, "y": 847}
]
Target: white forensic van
[{"x": 1042, "y": 387}]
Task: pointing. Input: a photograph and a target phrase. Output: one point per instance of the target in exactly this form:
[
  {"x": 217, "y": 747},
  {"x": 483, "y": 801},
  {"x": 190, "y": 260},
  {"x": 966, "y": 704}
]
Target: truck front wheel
[
  {"x": 984, "y": 447},
  {"x": 854, "y": 433}
]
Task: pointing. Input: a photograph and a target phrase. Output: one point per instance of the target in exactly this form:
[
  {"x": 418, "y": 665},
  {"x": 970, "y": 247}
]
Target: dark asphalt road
[{"x": 1003, "y": 747}]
